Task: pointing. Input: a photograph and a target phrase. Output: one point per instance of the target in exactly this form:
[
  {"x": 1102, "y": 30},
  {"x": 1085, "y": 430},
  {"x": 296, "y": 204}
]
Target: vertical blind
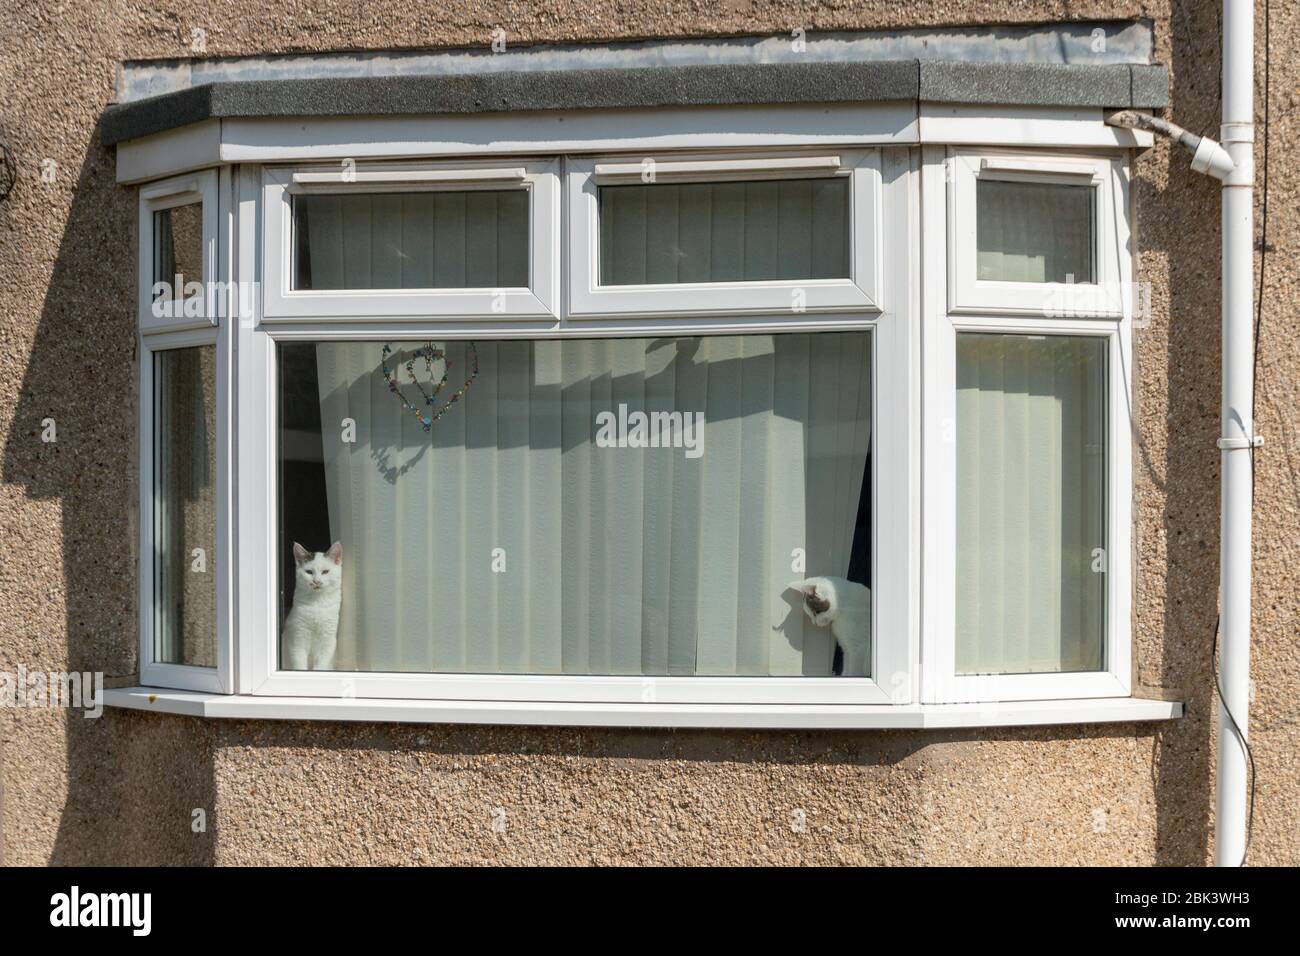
[
  {"x": 1033, "y": 232},
  {"x": 507, "y": 539},
  {"x": 473, "y": 239},
  {"x": 724, "y": 232},
  {"x": 1031, "y": 469}
]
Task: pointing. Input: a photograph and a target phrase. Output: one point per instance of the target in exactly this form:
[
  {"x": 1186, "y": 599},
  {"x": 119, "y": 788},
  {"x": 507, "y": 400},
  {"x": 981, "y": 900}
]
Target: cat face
[{"x": 318, "y": 571}]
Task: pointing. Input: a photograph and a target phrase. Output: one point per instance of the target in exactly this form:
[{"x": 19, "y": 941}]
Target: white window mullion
[
  {"x": 939, "y": 436},
  {"x": 255, "y": 476}
]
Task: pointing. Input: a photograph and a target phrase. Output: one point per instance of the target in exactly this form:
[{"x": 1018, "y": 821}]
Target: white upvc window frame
[
  {"x": 907, "y": 289},
  {"x": 538, "y": 299},
  {"x": 1103, "y": 295},
  {"x": 942, "y": 177},
  {"x": 860, "y": 292},
  {"x": 894, "y": 459},
  {"x": 201, "y": 311}
]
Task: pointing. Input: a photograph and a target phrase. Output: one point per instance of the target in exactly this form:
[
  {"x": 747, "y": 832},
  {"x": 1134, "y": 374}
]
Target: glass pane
[
  {"x": 177, "y": 251},
  {"x": 1034, "y": 232},
  {"x": 185, "y": 506},
  {"x": 1031, "y": 503},
  {"x": 475, "y": 239},
  {"x": 600, "y": 506},
  {"x": 724, "y": 232}
]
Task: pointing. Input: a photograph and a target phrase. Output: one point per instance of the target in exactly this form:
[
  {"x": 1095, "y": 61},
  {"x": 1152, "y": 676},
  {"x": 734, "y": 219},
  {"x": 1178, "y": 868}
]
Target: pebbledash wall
[{"x": 123, "y": 788}]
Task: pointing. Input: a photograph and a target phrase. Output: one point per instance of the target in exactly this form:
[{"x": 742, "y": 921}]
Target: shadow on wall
[
  {"x": 132, "y": 780},
  {"x": 1190, "y": 490}
]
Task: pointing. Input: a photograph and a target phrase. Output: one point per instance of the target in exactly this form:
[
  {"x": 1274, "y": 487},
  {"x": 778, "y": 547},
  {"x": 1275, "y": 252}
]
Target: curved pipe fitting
[{"x": 1208, "y": 156}]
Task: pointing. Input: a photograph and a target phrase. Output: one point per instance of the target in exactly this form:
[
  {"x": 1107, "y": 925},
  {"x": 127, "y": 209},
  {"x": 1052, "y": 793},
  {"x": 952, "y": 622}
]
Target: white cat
[
  {"x": 846, "y": 606},
  {"x": 311, "y": 629}
]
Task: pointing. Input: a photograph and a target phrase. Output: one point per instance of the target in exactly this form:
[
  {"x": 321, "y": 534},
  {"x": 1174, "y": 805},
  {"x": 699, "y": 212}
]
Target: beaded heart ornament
[{"x": 430, "y": 354}]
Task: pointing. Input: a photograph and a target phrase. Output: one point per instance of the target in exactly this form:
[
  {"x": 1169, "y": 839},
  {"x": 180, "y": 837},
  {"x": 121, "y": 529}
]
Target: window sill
[{"x": 754, "y": 716}]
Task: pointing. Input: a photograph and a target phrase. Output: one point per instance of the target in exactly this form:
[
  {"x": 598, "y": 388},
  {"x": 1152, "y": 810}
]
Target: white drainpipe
[
  {"x": 1237, "y": 427},
  {"x": 1233, "y": 164}
]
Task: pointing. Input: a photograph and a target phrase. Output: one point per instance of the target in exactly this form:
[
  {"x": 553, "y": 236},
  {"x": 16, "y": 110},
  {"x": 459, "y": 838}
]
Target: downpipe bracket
[{"x": 1239, "y": 444}]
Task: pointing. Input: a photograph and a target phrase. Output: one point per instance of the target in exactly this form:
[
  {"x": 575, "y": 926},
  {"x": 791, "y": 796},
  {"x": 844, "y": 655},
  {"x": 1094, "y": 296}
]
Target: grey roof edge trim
[
  {"x": 523, "y": 91},
  {"x": 1030, "y": 84},
  {"x": 1111, "y": 85},
  {"x": 1150, "y": 87}
]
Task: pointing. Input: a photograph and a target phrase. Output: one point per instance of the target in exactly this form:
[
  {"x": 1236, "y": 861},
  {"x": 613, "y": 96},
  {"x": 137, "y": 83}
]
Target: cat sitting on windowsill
[
  {"x": 846, "y": 607},
  {"x": 312, "y": 627}
]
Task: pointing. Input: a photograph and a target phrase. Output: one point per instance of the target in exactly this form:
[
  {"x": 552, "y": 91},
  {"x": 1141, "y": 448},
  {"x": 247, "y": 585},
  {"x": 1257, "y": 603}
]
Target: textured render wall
[{"x": 121, "y": 789}]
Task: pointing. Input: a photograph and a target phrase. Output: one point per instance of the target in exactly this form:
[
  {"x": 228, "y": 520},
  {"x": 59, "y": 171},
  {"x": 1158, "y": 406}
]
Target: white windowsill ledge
[{"x": 756, "y": 716}]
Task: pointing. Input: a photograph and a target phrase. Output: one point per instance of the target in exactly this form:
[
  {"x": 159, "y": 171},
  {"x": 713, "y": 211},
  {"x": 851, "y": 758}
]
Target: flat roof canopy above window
[
  {"x": 1037, "y": 84},
  {"x": 1114, "y": 86}
]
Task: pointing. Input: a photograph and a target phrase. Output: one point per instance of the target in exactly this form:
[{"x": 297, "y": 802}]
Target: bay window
[{"x": 834, "y": 425}]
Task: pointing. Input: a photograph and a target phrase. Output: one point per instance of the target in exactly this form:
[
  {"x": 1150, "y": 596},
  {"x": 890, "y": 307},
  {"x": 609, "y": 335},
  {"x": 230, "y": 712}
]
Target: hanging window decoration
[{"x": 430, "y": 354}]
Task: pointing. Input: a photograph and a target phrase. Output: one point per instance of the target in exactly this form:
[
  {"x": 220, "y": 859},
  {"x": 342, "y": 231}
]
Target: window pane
[
  {"x": 185, "y": 506},
  {"x": 177, "y": 250},
  {"x": 1034, "y": 232},
  {"x": 606, "y": 506},
  {"x": 1031, "y": 487},
  {"x": 724, "y": 232},
  {"x": 474, "y": 239}
]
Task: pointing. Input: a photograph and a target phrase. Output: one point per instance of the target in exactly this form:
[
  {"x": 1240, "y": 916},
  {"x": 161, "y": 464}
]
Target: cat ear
[
  {"x": 803, "y": 587},
  {"x": 335, "y": 553},
  {"x": 300, "y": 554}
]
